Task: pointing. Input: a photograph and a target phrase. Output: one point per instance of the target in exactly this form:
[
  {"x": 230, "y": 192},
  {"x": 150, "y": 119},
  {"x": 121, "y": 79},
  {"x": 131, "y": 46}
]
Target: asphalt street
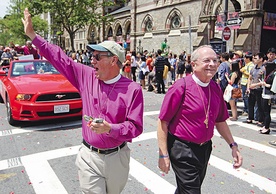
[{"x": 38, "y": 158}]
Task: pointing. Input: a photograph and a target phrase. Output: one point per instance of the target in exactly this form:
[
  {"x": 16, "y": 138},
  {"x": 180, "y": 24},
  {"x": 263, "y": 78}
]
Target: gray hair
[
  {"x": 195, "y": 54},
  {"x": 120, "y": 64}
]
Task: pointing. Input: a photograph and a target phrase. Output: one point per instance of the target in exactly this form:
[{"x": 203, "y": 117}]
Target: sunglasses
[{"x": 98, "y": 56}]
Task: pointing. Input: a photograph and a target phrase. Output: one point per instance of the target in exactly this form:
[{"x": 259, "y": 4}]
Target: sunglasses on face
[{"x": 98, "y": 56}]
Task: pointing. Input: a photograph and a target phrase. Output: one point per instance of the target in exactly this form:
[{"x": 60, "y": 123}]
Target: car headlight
[{"x": 23, "y": 97}]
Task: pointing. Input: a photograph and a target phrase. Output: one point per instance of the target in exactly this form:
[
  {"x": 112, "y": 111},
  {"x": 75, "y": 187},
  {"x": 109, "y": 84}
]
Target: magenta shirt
[
  {"x": 120, "y": 103},
  {"x": 28, "y": 51},
  {"x": 186, "y": 120}
]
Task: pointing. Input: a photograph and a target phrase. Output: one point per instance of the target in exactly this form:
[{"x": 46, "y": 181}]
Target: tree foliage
[
  {"x": 11, "y": 26},
  {"x": 72, "y": 15}
]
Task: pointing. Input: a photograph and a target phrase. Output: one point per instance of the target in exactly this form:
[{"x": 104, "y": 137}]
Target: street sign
[
  {"x": 233, "y": 22},
  {"x": 226, "y": 33}
]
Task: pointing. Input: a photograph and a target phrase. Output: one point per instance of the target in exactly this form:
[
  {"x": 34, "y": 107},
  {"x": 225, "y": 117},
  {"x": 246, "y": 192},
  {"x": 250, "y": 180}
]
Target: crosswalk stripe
[
  {"x": 251, "y": 144},
  {"x": 149, "y": 179},
  {"x": 259, "y": 181},
  {"x": 46, "y": 178}
]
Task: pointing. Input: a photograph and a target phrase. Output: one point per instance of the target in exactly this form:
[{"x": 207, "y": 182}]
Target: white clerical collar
[
  {"x": 115, "y": 79},
  {"x": 197, "y": 81}
]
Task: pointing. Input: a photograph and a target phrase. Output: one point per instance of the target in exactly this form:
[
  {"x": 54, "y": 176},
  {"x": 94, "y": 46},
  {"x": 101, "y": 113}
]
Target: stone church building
[{"x": 248, "y": 25}]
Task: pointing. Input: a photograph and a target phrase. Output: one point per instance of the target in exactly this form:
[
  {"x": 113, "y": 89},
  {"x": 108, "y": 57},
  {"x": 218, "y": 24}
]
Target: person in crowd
[
  {"x": 254, "y": 88},
  {"x": 149, "y": 60},
  {"x": 13, "y": 51},
  {"x": 85, "y": 58},
  {"x": 271, "y": 55},
  {"x": 6, "y": 56},
  {"x": 267, "y": 95},
  {"x": 28, "y": 49},
  {"x": 113, "y": 109},
  {"x": 180, "y": 67},
  {"x": 188, "y": 69},
  {"x": 245, "y": 70},
  {"x": 167, "y": 72},
  {"x": 133, "y": 65},
  {"x": 188, "y": 66},
  {"x": 184, "y": 133},
  {"x": 143, "y": 72},
  {"x": 223, "y": 68},
  {"x": 173, "y": 60},
  {"x": 127, "y": 66},
  {"x": 233, "y": 79},
  {"x": 159, "y": 64}
]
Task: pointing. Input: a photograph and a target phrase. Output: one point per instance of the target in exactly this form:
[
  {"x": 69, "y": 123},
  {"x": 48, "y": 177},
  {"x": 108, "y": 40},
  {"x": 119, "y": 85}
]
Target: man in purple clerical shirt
[
  {"x": 191, "y": 109},
  {"x": 112, "y": 106},
  {"x": 28, "y": 49}
]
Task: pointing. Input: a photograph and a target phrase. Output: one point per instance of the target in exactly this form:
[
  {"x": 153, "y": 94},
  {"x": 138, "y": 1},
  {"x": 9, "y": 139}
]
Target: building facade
[{"x": 186, "y": 24}]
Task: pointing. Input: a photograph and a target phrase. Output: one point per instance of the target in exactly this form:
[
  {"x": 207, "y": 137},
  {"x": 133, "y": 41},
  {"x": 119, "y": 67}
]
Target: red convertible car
[{"x": 34, "y": 90}]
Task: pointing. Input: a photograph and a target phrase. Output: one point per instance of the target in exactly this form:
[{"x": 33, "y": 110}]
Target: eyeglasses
[
  {"x": 207, "y": 61},
  {"x": 98, "y": 56}
]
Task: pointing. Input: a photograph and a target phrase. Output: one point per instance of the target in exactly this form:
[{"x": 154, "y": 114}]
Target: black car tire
[{"x": 9, "y": 113}]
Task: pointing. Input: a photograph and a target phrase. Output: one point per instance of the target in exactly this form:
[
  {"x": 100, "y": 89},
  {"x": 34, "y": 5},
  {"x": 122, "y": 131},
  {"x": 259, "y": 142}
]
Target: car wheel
[{"x": 9, "y": 113}]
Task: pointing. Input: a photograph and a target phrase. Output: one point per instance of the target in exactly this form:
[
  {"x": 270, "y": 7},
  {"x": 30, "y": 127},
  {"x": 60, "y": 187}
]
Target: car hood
[{"x": 42, "y": 83}]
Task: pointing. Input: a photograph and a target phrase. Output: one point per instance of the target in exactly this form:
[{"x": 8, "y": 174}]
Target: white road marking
[
  {"x": 261, "y": 182},
  {"x": 148, "y": 178},
  {"x": 42, "y": 176},
  {"x": 46, "y": 178},
  {"x": 252, "y": 144},
  {"x": 16, "y": 131}
]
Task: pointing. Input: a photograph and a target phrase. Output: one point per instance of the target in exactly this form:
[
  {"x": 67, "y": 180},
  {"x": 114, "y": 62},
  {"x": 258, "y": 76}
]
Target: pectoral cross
[{"x": 206, "y": 122}]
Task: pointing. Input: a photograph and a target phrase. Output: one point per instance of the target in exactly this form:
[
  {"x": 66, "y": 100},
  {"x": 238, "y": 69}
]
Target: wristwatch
[{"x": 233, "y": 144}]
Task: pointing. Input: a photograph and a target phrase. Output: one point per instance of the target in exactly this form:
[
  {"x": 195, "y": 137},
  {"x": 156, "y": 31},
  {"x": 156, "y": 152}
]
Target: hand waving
[{"x": 28, "y": 25}]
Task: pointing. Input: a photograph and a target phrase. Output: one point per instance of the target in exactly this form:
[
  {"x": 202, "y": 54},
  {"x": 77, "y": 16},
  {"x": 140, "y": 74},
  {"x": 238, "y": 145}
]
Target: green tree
[
  {"x": 72, "y": 15},
  {"x": 11, "y": 26}
]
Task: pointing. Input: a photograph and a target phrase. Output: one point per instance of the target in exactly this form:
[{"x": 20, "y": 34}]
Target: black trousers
[
  {"x": 266, "y": 103},
  {"x": 189, "y": 162},
  {"x": 160, "y": 81},
  {"x": 133, "y": 72},
  {"x": 255, "y": 95}
]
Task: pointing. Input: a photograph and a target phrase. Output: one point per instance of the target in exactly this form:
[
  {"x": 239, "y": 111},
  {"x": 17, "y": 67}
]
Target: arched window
[
  {"x": 110, "y": 32},
  {"x": 175, "y": 22},
  {"x": 148, "y": 25},
  {"x": 119, "y": 31}
]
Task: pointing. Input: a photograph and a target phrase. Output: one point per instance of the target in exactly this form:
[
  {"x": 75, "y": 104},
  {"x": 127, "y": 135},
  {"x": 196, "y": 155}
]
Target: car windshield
[{"x": 33, "y": 67}]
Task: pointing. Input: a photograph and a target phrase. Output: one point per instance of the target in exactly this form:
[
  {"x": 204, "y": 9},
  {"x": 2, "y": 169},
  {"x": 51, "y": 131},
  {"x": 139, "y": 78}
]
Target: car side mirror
[{"x": 3, "y": 73}]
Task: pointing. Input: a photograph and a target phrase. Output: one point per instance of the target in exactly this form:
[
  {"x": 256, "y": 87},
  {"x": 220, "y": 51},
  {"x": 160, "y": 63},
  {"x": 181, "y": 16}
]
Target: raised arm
[{"x": 28, "y": 25}]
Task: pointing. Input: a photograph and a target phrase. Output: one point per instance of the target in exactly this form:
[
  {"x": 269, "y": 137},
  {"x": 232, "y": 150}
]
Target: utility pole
[
  {"x": 225, "y": 21},
  {"x": 225, "y": 12}
]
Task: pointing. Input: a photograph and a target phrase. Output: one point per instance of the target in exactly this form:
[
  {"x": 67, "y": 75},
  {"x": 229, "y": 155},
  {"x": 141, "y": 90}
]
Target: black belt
[
  {"x": 189, "y": 142},
  {"x": 103, "y": 151}
]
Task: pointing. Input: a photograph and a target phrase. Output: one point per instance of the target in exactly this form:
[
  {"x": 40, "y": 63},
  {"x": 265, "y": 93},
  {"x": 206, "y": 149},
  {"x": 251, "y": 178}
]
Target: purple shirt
[
  {"x": 186, "y": 119},
  {"x": 120, "y": 103},
  {"x": 28, "y": 51}
]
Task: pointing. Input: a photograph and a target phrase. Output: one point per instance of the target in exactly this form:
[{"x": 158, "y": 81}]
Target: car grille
[
  {"x": 58, "y": 97},
  {"x": 51, "y": 113}
]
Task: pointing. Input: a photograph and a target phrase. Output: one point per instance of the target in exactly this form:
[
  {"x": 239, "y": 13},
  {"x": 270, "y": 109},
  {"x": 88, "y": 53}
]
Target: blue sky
[{"x": 3, "y": 8}]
